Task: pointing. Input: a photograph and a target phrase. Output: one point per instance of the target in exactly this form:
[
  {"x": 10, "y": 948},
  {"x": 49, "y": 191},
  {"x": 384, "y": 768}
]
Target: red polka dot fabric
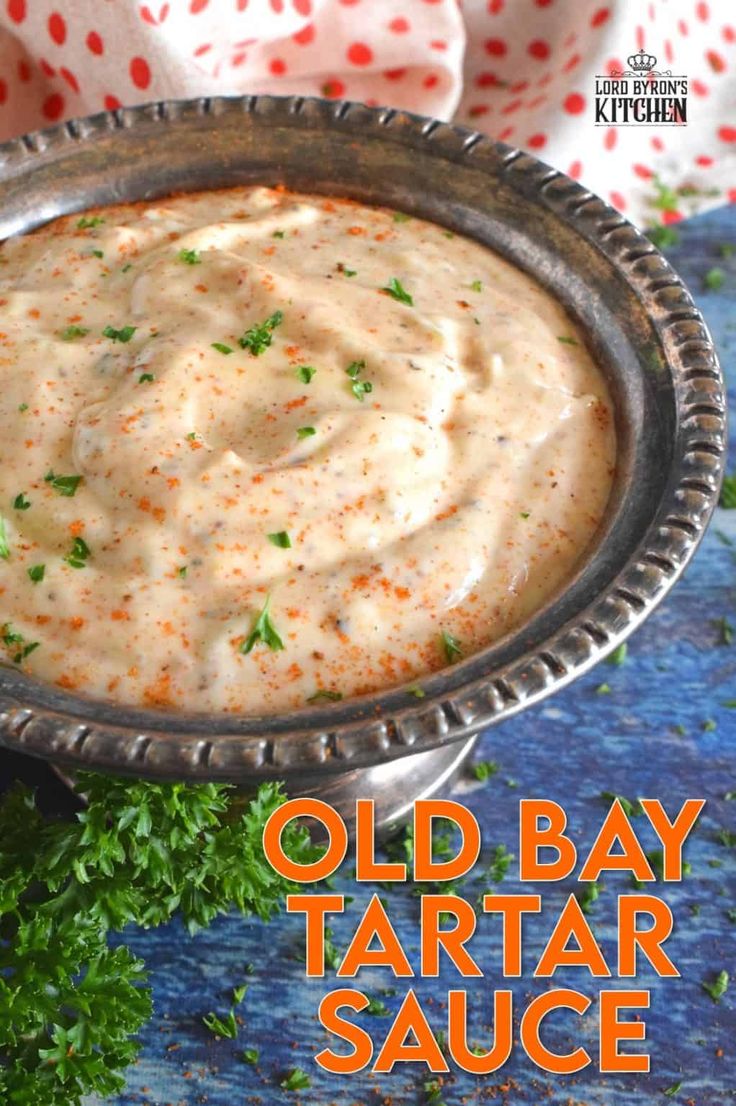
[{"x": 521, "y": 70}]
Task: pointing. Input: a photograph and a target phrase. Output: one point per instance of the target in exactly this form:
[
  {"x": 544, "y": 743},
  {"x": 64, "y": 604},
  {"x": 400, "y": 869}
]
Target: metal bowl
[{"x": 641, "y": 327}]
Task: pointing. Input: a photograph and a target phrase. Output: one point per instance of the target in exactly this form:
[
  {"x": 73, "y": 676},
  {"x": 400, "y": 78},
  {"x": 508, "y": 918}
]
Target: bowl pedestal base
[{"x": 394, "y": 786}]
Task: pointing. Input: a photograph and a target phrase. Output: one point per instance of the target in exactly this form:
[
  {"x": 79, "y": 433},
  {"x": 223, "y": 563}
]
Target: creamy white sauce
[{"x": 454, "y": 497}]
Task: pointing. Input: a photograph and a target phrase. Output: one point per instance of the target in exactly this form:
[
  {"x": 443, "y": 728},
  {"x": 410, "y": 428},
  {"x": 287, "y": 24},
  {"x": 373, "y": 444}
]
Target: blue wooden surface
[{"x": 652, "y": 735}]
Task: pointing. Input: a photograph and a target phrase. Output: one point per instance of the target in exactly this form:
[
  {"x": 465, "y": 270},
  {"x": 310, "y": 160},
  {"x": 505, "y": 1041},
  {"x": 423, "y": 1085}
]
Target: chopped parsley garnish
[
  {"x": 484, "y": 769},
  {"x": 258, "y": 338},
  {"x": 20, "y": 502},
  {"x": 401, "y": 217},
  {"x": 87, "y": 222},
  {"x": 524, "y": 514},
  {"x": 305, "y": 432},
  {"x": 377, "y": 1008},
  {"x": 79, "y": 553},
  {"x": 359, "y": 388},
  {"x": 326, "y": 694},
  {"x": 11, "y": 638},
  {"x": 22, "y": 407},
  {"x": 36, "y": 573},
  {"x": 714, "y": 278},
  {"x": 124, "y": 334},
  {"x": 727, "y": 249},
  {"x": 97, "y": 253},
  {"x": 296, "y": 1080},
  {"x": 453, "y": 648},
  {"x": 725, "y": 631},
  {"x": 182, "y": 571},
  {"x": 127, "y": 267},
  {"x": 4, "y": 547},
  {"x": 728, "y": 492},
  {"x": 588, "y": 896},
  {"x": 662, "y": 237},
  {"x": 718, "y": 987},
  {"x": 278, "y": 234},
  {"x": 567, "y": 340},
  {"x": 672, "y": 1091},
  {"x": 476, "y": 286},
  {"x": 64, "y": 485},
  {"x": 603, "y": 689},
  {"x": 618, "y": 656},
  {"x": 305, "y": 373},
  {"x": 500, "y": 864},
  {"x": 397, "y": 290},
  {"x": 631, "y": 810},
  {"x": 250, "y": 1055},
  {"x": 73, "y": 332},
  {"x": 222, "y": 1027},
  {"x": 709, "y": 725},
  {"x": 189, "y": 257},
  {"x": 665, "y": 198},
  {"x": 264, "y": 631},
  {"x": 146, "y": 378},
  {"x": 416, "y": 691},
  {"x": 222, "y": 348},
  {"x": 280, "y": 539},
  {"x": 342, "y": 268},
  {"x": 192, "y": 436}
]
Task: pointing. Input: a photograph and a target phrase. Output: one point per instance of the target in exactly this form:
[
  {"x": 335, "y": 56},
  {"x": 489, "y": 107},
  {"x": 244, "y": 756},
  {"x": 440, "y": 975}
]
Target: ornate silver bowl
[{"x": 641, "y": 325}]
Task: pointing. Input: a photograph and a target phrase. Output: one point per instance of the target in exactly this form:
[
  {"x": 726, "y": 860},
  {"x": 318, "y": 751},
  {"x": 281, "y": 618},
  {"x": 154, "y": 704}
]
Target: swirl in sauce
[{"x": 407, "y": 439}]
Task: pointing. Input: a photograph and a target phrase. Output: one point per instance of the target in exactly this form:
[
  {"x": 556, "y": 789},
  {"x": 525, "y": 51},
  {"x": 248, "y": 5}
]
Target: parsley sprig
[
  {"x": 138, "y": 853},
  {"x": 264, "y": 631}
]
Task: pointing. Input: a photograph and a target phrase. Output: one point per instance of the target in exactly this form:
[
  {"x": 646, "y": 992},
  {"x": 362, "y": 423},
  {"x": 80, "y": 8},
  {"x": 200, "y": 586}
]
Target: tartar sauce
[{"x": 261, "y": 447}]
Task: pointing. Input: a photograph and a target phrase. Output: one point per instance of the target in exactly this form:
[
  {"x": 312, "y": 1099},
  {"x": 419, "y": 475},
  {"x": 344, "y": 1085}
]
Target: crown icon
[{"x": 641, "y": 62}]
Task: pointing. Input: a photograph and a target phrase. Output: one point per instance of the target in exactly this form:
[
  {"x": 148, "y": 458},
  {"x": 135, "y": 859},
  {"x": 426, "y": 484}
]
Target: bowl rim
[{"x": 339, "y": 737}]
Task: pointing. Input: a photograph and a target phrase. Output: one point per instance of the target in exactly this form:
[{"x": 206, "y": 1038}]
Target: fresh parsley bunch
[{"x": 138, "y": 853}]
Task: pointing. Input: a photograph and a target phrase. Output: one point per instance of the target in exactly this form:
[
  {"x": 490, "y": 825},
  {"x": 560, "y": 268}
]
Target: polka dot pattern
[{"x": 526, "y": 73}]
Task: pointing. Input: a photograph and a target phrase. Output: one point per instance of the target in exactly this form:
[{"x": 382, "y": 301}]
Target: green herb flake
[
  {"x": 395, "y": 289},
  {"x": 452, "y": 647},
  {"x": 588, "y": 896},
  {"x": 263, "y": 631},
  {"x": 663, "y": 237},
  {"x": 361, "y": 388},
  {"x": 126, "y": 268},
  {"x": 79, "y": 554},
  {"x": 725, "y": 631},
  {"x": 64, "y": 485},
  {"x": 305, "y": 373},
  {"x": 377, "y": 1008},
  {"x": 88, "y": 222},
  {"x": 250, "y": 1056},
  {"x": 146, "y": 378},
  {"x": 123, "y": 334},
  {"x": 16, "y": 643},
  {"x": 222, "y": 1027},
  {"x": 416, "y": 691},
  {"x": 484, "y": 769},
  {"x": 305, "y": 432},
  {"x": 709, "y": 724},
  {"x": 239, "y": 993},
  {"x": 182, "y": 571},
  {"x": 603, "y": 689},
  {"x": 341, "y": 268},
  {"x": 222, "y": 348},
  {"x": 727, "y": 249},
  {"x": 71, "y": 333},
  {"x": 717, "y": 987},
  {"x": 630, "y": 809},
  {"x": 278, "y": 234},
  {"x": 567, "y": 340},
  {"x": 476, "y": 286},
  {"x": 296, "y": 1080},
  {"x": 500, "y": 863},
  {"x": 36, "y": 573},
  {"x": 98, "y": 253},
  {"x": 714, "y": 279},
  {"x": 524, "y": 514},
  {"x": 280, "y": 539},
  {"x": 401, "y": 217},
  {"x": 672, "y": 1091},
  {"x": 20, "y": 503},
  {"x": 4, "y": 547},
  {"x": 22, "y": 407},
  {"x": 618, "y": 656},
  {"x": 728, "y": 492},
  {"x": 189, "y": 257},
  {"x": 324, "y": 694},
  {"x": 258, "y": 338}
]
